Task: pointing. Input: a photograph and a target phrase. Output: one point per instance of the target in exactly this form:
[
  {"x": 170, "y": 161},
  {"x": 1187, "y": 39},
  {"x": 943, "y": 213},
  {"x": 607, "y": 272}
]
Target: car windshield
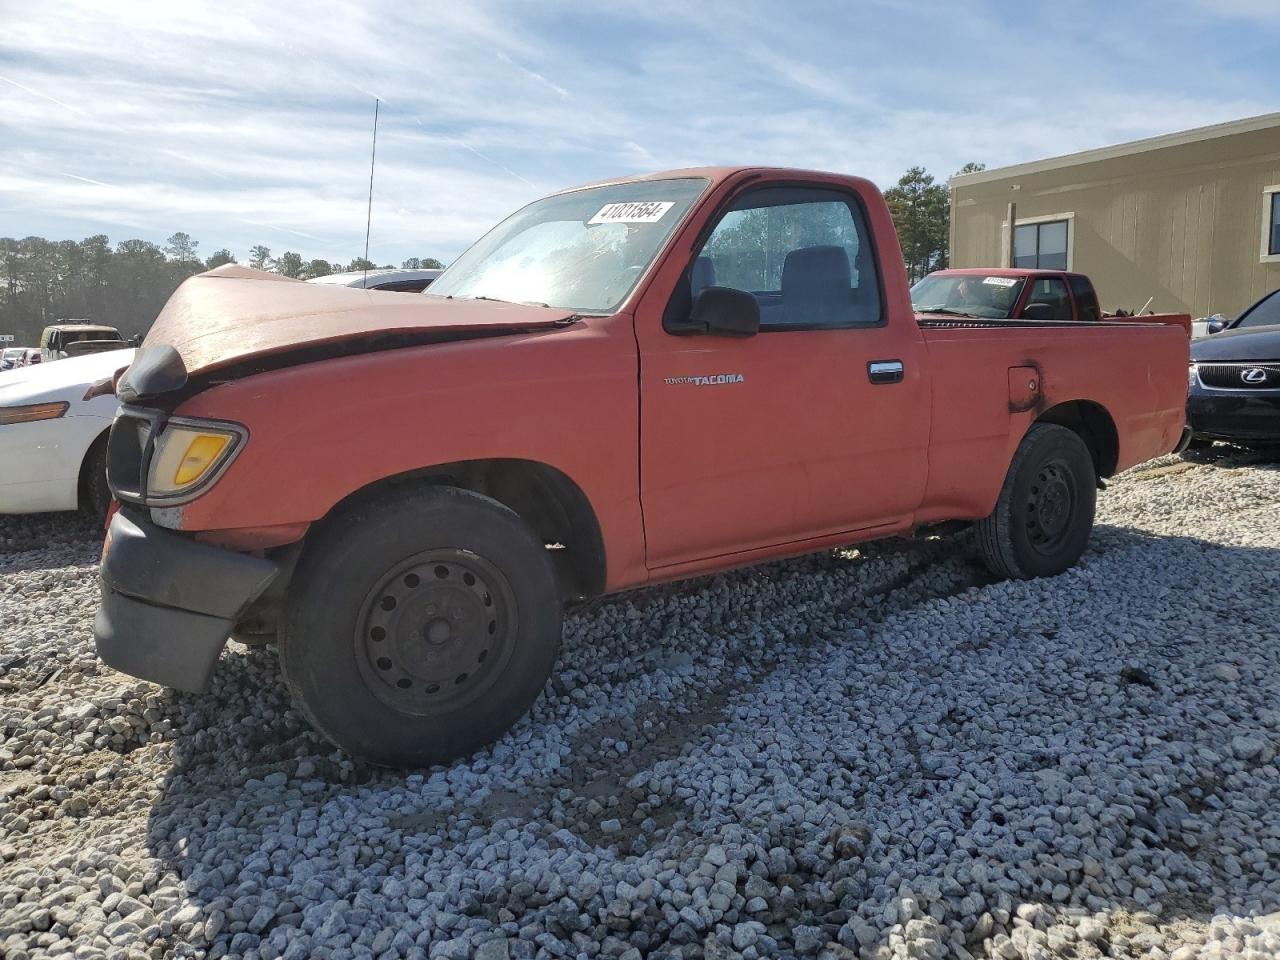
[
  {"x": 581, "y": 251},
  {"x": 1265, "y": 313},
  {"x": 990, "y": 297},
  {"x": 78, "y": 336}
]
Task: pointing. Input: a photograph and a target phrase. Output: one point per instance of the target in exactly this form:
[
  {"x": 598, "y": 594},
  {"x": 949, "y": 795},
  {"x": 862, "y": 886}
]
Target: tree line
[
  {"x": 124, "y": 285},
  {"x": 921, "y": 212}
]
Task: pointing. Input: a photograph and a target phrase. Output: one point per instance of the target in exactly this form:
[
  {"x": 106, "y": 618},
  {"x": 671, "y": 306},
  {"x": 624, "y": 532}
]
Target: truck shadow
[{"x": 921, "y": 758}]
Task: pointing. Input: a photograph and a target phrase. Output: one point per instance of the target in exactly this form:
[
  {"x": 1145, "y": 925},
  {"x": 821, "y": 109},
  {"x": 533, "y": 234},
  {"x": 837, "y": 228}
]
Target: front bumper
[
  {"x": 169, "y": 603},
  {"x": 1249, "y": 416}
]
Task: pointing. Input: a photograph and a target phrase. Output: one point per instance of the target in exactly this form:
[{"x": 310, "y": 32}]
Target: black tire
[
  {"x": 95, "y": 494},
  {"x": 1043, "y": 518},
  {"x": 420, "y": 625}
]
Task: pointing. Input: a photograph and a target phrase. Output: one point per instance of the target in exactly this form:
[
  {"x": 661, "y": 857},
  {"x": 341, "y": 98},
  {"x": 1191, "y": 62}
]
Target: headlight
[
  {"x": 189, "y": 455},
  {"x": 33, "y": 411},
  {"x": 1191, "y": 376}
]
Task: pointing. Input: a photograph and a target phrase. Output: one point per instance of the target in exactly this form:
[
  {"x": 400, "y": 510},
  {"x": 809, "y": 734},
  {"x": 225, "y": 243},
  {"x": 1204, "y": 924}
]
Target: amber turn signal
[{"x": 33, "y": 411}]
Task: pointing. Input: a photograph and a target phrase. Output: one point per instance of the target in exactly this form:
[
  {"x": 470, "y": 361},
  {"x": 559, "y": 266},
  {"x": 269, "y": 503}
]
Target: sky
[{"x": 244, "y": 123}]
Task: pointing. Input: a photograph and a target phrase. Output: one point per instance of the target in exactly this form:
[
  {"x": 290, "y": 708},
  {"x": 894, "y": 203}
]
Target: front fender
[{"x": 318, "y": 432}]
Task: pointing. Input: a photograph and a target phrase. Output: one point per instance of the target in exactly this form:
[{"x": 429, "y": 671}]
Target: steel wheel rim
[
  {"x": 436, "y": 632},
  {"x": 1050, "y": 507}
]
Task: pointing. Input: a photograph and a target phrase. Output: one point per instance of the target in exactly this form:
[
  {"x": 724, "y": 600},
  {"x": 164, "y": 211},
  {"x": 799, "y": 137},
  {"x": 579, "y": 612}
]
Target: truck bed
[{"x": 992, "y": 378}]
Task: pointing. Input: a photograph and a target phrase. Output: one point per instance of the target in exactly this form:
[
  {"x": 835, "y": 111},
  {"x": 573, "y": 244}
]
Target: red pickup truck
[
  {"x": 626, "y": 383},
  {"x": 1019, "y": 293}
]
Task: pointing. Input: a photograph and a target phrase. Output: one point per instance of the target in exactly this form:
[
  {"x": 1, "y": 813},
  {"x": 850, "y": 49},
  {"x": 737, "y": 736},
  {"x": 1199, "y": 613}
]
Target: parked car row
[
  {"x": 14, "y": 357},
  {"x": 62, "y": 339}
]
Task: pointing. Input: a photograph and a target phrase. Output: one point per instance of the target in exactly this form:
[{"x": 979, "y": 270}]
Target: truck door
[{"x": 816, "y": 425}]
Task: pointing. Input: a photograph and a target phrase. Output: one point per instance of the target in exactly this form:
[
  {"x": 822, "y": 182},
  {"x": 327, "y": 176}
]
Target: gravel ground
[{"x": 870, "y": 753}]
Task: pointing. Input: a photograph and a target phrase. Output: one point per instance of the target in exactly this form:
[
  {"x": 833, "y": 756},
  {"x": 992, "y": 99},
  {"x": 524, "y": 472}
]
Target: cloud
[
  {"x": 242, "y": 123},
  {"x": 36, "y": 93},
  {"x": 1264, "y": 10}
]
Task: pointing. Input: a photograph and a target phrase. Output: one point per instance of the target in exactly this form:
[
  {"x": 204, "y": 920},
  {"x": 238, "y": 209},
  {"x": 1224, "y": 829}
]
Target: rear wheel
[
  {"x": 1043, "y": 518},
  {"x": 420, "y": 626}
]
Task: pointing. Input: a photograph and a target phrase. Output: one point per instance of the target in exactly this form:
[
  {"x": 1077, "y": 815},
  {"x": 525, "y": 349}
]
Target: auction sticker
[
  {"x": 635, "y": 211},
  {"x": 1000, "y": 281}
]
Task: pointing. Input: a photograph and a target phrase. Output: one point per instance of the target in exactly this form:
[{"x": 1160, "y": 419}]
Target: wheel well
[
  {"x": 82, "y": 484},
  {"x": 1096, "y": 428},
  {"x": 544, "y": 497}
]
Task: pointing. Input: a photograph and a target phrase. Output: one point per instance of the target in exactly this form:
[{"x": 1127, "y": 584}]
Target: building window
[
  {"x": 1271, "y": 223},
  {"x": 1041, "y": 246}
]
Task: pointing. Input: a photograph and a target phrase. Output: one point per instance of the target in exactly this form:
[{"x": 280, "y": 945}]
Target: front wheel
[
  {"x": 420, "y": 626},
  {"x": 1043, "y": 518},
  {"x": 95, "y": 494}
]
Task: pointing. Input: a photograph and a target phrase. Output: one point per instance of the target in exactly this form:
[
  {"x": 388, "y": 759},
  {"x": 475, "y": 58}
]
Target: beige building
[{"x": 1191, "y": 220}]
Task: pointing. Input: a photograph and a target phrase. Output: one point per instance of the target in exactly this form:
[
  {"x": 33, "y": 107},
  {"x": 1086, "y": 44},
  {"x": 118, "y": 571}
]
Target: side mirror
[
  {"x": 725, "y": 312},
  {"x": 1037, "y": 311},
  {"x": 1217, "y": 323}
]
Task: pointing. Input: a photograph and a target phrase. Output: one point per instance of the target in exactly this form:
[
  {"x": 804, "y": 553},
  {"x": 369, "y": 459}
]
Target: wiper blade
[{"x": 947, "y": 310}]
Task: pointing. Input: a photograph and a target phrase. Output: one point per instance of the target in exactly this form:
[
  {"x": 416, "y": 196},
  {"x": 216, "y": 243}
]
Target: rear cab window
[{"x": 1050, "y": 298}]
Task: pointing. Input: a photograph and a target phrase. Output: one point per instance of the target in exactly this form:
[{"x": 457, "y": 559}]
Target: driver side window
[
  {"x": 1052, "y": 292},
  {"x": 804, "y": 253}
]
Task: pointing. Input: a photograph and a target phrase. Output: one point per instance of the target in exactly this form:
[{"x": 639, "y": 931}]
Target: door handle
[{"x": 885, "y": 371}]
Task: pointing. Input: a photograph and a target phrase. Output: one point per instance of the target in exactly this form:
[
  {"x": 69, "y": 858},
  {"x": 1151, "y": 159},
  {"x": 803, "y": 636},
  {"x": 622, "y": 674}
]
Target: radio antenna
[{"x": 368, "y": 220}]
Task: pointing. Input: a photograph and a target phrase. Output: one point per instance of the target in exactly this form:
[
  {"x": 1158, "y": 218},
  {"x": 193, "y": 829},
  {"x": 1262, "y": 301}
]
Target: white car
[
  {"x": 394, "y": 281},
  {"x": 53, "y": 434}
]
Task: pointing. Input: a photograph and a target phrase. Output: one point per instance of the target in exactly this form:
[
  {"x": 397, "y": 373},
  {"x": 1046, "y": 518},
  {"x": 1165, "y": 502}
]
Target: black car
[{"x": 1234, "y": 383}]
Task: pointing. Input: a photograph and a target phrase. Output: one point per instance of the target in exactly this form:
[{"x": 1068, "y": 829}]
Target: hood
[
  {"x": 76, "y": 373},
  {"x": 233, "y": 314},
  {"x": 1249, "y": 343}
]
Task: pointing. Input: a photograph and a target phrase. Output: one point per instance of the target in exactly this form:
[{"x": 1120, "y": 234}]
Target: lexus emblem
[{"x": 1253, "y": 375}]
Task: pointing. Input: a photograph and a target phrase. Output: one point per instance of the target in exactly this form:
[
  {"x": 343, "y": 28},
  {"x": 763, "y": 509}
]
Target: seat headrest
[
  {"x": 816, "y": 273},
  {"x": 702, "y": 275}
]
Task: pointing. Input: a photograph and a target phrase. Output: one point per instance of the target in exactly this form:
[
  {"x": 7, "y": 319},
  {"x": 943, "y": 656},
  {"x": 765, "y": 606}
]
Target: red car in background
[{"x": 1014, "y": 293}]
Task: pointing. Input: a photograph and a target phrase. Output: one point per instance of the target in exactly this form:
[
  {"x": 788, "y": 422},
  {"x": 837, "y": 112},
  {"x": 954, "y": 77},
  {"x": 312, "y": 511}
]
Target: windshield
[
  {"x": 1264, "y": 313},
  {"x": 968, "y": 294},
  {"x": 79, "y": 336},
  {"x": 581, "y": 251}
]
